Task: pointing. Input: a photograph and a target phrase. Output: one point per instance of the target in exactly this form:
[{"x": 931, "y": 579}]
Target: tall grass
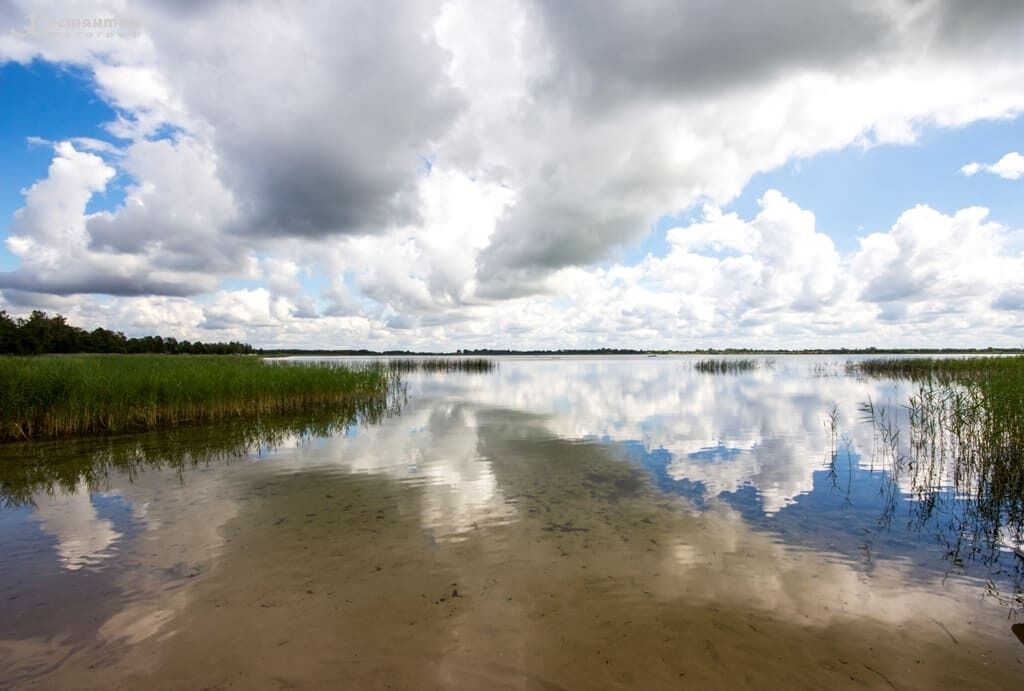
[
  {"x": 44, "y": 397},
  {"x": 942, "y": 369},
  {"x": 725, "y": 366},
  {"x": 977, "y": 402},
  {"x": 440, "y": 364},
  {"x": 963, "y": 448}
]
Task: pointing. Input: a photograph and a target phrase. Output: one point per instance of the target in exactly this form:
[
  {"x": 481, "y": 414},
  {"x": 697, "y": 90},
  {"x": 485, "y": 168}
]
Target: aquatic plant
[
  {"x": 963, "y": 454},
  {"x": 959, "y": 369},
  {"x": 970, "y": 410},
  {"x": 439, "y": 364},
  {"x": 725, "y": 366},
  {"x": 44, "y": 397}
]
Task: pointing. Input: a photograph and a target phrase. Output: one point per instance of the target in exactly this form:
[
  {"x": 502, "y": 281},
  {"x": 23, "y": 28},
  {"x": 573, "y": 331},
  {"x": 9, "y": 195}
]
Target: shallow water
[{"x": 558, "y": 523}]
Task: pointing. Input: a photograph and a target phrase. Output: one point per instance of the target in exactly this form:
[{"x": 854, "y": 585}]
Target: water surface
[{"x": 558, "y": 523}]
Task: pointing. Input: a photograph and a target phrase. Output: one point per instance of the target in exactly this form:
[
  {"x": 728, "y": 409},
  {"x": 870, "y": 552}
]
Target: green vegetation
[
  {"x": 440, "y": 364},
  {"x": 963, "y": 453},
  {"x": 94, "y": 394},
  {"x": 725, "y": 366},
  {"x": 970, "y": 410},
  {"x": 1008, "y": 369},
  {"x": 40, "y": 333}
]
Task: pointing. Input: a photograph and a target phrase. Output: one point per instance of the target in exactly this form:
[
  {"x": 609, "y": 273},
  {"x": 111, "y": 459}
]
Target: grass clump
[
  {"x": 440, "y": 364},
  {"x": 725, "y": 366},
  {"x": 43, "y": 397}
]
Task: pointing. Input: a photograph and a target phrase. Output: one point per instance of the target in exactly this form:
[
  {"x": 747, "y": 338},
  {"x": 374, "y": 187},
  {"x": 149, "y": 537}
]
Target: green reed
[
  {"x": 963, "y": 451},
  {"x": 45, "y": 397},
  {"x": 725, "y": 366},
  {"x": 942, "y": 369},
  {"x": 440, "y": 364},
  {"x": 967, "y": 409}
]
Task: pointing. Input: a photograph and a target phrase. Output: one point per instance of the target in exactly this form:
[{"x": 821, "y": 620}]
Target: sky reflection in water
[{"x": 759, "y": 442}]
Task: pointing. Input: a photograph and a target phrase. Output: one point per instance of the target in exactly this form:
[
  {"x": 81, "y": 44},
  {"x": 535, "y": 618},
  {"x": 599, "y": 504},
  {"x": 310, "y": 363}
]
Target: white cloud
[
  {"x": 608, "y": 156},
  {"x": 147, "y": 246},
  {"x": 450, "y": 172},
  {"x": 431, "y": 266},
  {"x": 929, "y": 256},
  {"x": 773, "y": 279},
  {"x": 53, "y": 218},
  {"x": 1009, "y": 167},
  {"x": 178, "y": 206}
]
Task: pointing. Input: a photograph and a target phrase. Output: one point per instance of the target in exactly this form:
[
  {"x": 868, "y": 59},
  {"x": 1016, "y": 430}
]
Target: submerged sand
[{"x": 561, "y": 567}]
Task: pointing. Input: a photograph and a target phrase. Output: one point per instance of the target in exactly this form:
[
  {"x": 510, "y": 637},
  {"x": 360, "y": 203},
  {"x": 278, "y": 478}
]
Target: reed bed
[
  {"x": 725, "y": 366},
  {"x": 1010, "y": 369},
  {"x": 45, "y": 397},
  {"x": 968, "y": 409},
  {"x": 961, "y": 447},
  {"x": 440, "y": 364}
]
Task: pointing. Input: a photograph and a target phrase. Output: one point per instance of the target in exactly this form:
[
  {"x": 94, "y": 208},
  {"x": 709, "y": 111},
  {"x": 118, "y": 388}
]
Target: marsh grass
[
  {"x": 440, "y": 364},
  {"x": 46, "y": 397},
  {"x": 940, "y": 369},
  {"x": 725, "y": 366},
  {"x": 960, "y": 450},
  {"x": 970, "y": 409}
]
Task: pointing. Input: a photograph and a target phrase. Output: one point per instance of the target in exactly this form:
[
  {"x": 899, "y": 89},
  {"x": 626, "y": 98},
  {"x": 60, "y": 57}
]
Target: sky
[{"x": 397, "y": 174}]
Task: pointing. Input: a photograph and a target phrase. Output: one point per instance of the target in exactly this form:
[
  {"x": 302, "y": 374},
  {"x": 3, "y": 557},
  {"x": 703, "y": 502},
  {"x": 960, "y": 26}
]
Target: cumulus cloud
[
  {"x": 1009, "y": 167},
  {"x": 434, "y": 173},
  {"x": 143, "y": 248},
  {"x": 928, "y": 255},
  {"x": 776, "y": 279},
  {"x": 779, "y": 259},
  {"x": 644, "y": 109},
  {"x": 327, "y": 138},
  {"x": 178, "y": 206}
]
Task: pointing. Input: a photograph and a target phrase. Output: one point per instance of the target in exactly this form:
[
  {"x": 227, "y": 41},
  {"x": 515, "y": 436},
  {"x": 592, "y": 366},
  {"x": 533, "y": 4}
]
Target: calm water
[{"x": 559, "y": 523}]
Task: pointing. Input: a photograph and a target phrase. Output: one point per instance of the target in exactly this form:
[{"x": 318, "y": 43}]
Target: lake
[{"x": 558, "y": 523}]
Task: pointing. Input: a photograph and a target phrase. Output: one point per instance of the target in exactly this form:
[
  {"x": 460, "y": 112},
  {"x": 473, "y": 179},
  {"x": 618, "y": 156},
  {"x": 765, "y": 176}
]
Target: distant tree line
[{"x": 40, "y": 333}]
